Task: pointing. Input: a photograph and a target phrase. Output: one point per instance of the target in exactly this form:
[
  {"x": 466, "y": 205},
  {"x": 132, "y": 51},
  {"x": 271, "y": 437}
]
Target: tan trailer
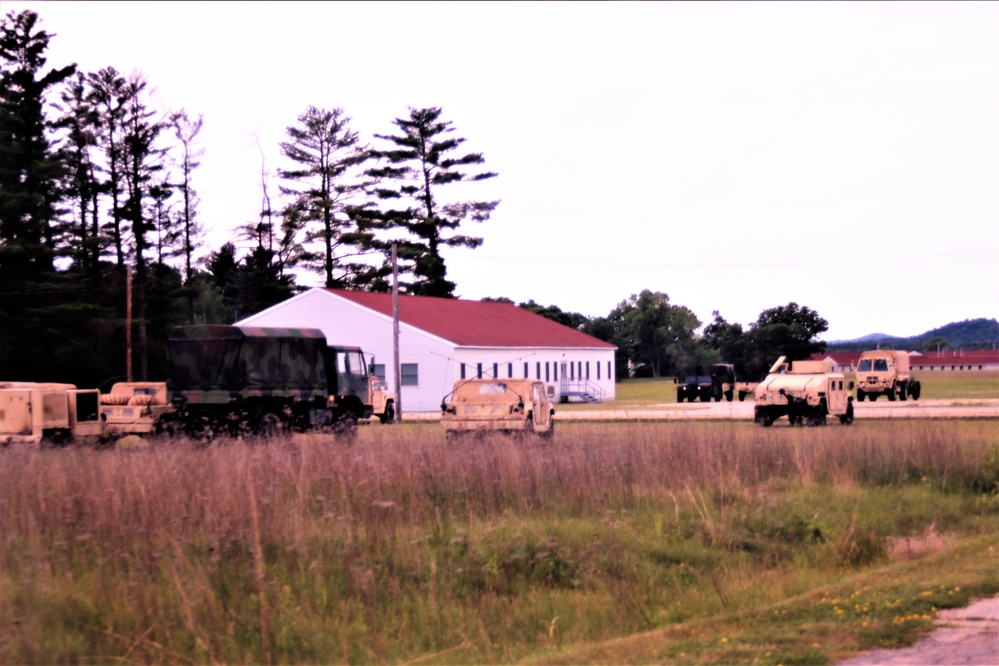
[{"x": 48, "y": 413}]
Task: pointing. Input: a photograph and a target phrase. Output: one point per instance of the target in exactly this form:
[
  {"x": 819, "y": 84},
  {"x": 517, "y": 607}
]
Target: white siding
[{"x": 348, "y": 324}]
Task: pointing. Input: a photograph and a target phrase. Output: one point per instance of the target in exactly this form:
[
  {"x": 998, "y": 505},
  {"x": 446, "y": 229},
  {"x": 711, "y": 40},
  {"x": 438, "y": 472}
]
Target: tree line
[{"x": 97, "y": 186}]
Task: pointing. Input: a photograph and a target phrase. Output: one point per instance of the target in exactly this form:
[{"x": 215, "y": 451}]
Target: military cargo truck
[
  {"x": 885, "y": 372},
  {"x": 719, "y": 382},
  {"x": 231, "y": 379},
  {"x": 48, "y": 413},
  {"x": 517, "y": 406},
  {"x": 805, "y": 392}
]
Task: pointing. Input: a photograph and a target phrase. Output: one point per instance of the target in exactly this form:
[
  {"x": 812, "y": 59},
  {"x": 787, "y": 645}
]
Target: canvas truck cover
[{"x": 249, "y": 360}]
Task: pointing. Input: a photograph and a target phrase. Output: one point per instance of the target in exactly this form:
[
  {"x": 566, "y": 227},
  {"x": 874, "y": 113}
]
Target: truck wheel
[
  {"x": 389, "y": 415},
  {"x": 728, "y": 396},
  {"x": 860, "y": 395},
  {"x": 847, "y": 419},
  {"x": 872, "y": 396},
  {"x": 914, "y": 390},
  {"x": 903, "y": 391},
  {"x": 891, "y": 394},
  {"x": 742, "y": 396},
  {"x": 679, "y": 396},
  {"x": 549, "y": 435},
  {"x": 268, "y": 425}
]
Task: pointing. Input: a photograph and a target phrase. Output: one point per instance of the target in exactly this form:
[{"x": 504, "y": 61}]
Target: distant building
[{"x": 442, "y": 340}]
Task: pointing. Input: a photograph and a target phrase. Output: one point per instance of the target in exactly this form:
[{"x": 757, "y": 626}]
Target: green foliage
[
  {"x": 654, "y": 332},
  {"x": 413, "y": 173}
]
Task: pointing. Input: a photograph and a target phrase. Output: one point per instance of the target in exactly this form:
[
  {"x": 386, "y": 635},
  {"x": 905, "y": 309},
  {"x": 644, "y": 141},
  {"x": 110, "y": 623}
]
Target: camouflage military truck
[
  {"x": 885, "y": 372},
  {"x": 135, "y": 408},
  {"x": 48, "y": 413},
  {"x": 805, "y": 392},
  {"x": 478, "y": 406},
  {"x": 229, "y": 379}
]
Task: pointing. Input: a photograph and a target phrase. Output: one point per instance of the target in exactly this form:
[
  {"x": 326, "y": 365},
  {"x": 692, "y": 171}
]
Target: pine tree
[
  {"x": 412, "y": 176},
  {"x": 326, "y": 180}
]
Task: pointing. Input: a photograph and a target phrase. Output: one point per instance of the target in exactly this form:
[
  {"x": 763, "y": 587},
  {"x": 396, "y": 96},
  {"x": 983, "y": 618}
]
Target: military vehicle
[
  {"x": 231, "y": 379},
  {"x": 805, "y": 392},
  {"x": 885, "y": 372},
  {"x": 48, "y": 413},
  {"x": 135, "y": 408},
  {"x": 720, "y": 382},
  {"x": 517, "y": 406}
]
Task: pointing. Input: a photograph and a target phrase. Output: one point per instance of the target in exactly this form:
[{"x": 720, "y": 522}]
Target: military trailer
[
  {"x": 135, "y": 408},
  {"x": 516, "y": 406},
  {"x": 805, "y": 392},
  {"x": 885, "y": 372},
  {"x": 48, "y": 413}
]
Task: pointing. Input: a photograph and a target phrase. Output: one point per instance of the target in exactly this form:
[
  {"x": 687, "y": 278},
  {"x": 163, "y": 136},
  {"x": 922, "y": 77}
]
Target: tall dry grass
[{"x": 400, "y": 546}]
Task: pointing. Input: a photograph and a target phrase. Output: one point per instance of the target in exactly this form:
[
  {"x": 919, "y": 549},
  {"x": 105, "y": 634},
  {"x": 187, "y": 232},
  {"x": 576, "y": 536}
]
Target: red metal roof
[{"x": 475, "y": 323}]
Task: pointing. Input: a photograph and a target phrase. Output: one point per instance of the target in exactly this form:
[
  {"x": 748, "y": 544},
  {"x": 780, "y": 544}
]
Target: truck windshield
[
  {"x": 880, "y": 365},
  {"x": 864, "y": 365}
]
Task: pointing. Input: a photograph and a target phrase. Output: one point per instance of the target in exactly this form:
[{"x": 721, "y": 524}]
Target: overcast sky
[{"x": 736, "y": 156}]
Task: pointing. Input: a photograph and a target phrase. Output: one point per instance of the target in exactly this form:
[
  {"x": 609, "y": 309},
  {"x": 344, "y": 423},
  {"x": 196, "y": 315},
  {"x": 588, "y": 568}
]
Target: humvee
[
  {"x": 885, "y": 372},
  {"x": 803, "y": 391},
  {"x": 498, "y": 405}
]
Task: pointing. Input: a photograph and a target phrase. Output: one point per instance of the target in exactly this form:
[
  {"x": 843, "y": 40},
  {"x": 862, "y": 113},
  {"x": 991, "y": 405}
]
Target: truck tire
[
  {"x": 847, "y": 419},
  {"x": 872, "y": 396},
  {"x": 914, "y": 390},
  {"x": 860, "y": 395},
  {"x": 729, "y": 395},
  {"x": 742, "y": 396},
  {"x": 679, "y": 395},
  {"x": 890, "y": 392},
  {"x": 389, "y": 415}
]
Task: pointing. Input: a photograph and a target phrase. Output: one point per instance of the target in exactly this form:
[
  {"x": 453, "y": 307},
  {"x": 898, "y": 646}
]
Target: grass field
[{"x": 626, "y": 543}]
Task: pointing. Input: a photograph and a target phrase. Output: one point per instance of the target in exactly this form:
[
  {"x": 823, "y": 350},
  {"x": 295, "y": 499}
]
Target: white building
[{"x": 442, "y": 340}]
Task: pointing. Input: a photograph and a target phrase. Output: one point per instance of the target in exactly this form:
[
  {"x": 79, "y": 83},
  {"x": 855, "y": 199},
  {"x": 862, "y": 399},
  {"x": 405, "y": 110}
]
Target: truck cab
[{"x": 352, "y": 390}]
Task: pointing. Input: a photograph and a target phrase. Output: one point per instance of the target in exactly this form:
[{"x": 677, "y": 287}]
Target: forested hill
[{"x": 967, "y": 334}]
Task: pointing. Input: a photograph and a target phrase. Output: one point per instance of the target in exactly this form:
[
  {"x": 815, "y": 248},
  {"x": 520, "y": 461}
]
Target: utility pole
[
  {"x": 397, "y": 367},
  {"x": 128, "y": 322}
]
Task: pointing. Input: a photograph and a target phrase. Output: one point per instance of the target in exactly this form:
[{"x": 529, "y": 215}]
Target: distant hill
[{"x": 967, "y": 334}]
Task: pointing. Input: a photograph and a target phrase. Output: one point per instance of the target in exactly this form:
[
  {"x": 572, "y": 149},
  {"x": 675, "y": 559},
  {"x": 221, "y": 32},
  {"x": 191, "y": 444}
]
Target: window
[
  {"x": 509, "y": 370},
  {"x": 538, "y": 370},
  {"x": 410, "y": 374},
  {"x": 378, "y": 370},
  {"x": 587, "y": 369},
  {"x": 572, "y": 371},
  {"x": 462, "y": 370},
  {"x": 478, "y": 371},
  {"x": 548, "y": 373},
  {"x": 608, "y": 369},
  {"x": 598, "y": 370},
  {"x": 555, "y": 371},
  {"x": 495, "y": 370},
  {"x": 525, "y": 369}
]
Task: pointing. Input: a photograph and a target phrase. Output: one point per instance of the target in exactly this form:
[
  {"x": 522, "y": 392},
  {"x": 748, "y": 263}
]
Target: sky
[{"x": 736, "y": 156}]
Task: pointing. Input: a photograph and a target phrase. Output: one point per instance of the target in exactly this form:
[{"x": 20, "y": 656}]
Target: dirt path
[{"x": 964, "y": 636}]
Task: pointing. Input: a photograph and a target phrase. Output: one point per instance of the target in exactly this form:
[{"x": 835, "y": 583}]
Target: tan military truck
[
  {"x": 135, "y": 408},
  {"x": 517, "y": 406},
  {"x": 48, "y": 413},
  {"x": 805, "y": 392},
  {"x": 885, "y": 372}
]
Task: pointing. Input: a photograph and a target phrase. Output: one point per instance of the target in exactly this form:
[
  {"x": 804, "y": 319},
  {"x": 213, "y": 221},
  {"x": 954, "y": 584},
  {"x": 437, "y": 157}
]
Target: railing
[{"x": 583, "y": 388}]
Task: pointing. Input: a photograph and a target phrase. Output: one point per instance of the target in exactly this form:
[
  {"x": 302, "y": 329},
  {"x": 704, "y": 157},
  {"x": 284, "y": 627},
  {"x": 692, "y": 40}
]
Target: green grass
[{"x": 634, "y": 542}]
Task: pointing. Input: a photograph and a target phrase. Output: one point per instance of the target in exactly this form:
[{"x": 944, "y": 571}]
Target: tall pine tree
[{"x": 412, "y": 174}]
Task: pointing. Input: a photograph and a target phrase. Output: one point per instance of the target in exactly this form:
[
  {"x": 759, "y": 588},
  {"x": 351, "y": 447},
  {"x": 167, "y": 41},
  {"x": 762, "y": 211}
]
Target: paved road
[{"x": 964, "y": 636}]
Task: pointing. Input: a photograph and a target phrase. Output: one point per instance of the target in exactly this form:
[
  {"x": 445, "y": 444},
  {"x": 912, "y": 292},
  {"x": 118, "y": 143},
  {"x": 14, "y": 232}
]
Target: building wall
[{"x": 438, "y": 362}]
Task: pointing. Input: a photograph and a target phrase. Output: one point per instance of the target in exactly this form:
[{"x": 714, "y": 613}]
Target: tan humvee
[
  {"x": 36, "y": 413},
  {"x": 885, "y": 372},
  {"x": 498, "y": 405},
  {"x": 135, "y": 408},
  {"x": 804, "y": 391}
]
